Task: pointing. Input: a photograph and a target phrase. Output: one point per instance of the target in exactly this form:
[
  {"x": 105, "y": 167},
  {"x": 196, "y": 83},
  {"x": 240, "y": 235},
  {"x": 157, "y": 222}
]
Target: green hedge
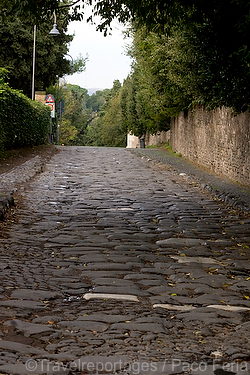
[{"x": 23, "y": 122}]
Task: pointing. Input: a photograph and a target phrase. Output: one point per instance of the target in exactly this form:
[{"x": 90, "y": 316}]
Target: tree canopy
[
  {"x": 214, "y": 34},
  {"x": 185, "y": 52},
  {"x": 16, "y": 50}
]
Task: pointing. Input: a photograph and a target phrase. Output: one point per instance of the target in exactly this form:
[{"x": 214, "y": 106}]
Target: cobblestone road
[{"x": 118, "y": 265}]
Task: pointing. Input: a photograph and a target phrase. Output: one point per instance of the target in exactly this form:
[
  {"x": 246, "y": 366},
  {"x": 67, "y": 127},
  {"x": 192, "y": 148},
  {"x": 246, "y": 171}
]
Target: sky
[{"x": 107, "y": 60}]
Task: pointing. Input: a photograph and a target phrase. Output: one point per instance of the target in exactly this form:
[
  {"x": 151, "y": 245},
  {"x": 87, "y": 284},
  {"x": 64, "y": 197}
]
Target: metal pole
[
  {"x": 60, "y": 122},
  {"x": 33, "y": 69}
]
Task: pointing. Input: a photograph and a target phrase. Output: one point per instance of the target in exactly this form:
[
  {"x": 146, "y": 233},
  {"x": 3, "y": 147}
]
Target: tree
[
  {"x": 16, "y": 49},
  {"x": 107, "y": 127},
  {"x": 217, "y": 34},
  {"x": 96, "y": 100},
  {"x": 113, "y": 130}
]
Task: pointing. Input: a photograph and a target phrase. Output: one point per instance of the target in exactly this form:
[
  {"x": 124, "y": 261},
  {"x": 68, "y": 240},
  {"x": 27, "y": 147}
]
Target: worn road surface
[{"x": 116, "y": 265}]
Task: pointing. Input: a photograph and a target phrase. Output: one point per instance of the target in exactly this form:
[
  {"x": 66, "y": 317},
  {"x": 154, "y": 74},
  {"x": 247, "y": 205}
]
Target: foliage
[
  {"x": 178, "y": 70},
  {"x": 83, "y": 120},
  {"x": 113, "y": 129},
  {"x": 23, "y": 122},
  {"x": 214, "y": 35},
  {"x": 16, "y": 51},
  {"x": 107, "y": 127},
  {"x": 75, "y": 116},
  {"x": 94, "y": 132},
  {"x": 96, "y": 100}
]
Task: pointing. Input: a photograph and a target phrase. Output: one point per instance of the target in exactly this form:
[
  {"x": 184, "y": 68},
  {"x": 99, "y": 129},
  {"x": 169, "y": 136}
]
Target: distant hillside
[{"x": 93, "y": 90}]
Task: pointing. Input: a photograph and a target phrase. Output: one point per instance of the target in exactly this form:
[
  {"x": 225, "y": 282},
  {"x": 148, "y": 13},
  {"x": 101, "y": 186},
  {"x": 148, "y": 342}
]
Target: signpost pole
[{"x": 50, "y": 101}]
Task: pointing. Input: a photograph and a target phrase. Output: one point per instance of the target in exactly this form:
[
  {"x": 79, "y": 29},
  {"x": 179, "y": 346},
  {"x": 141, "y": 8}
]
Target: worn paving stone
[
  {"x": 137, "y": 326},
  {"x": 173, "y": 307},
  {"x": 181, "y": 242},
  {"x": 13, "y": 346},
  {"x": 121, "y": 297},
  {"x": 35, "y": 295},
  {"x": 23, "y": 304},
  {"x": 84, "y": 325},
  {"x": 27, "y": 328}
]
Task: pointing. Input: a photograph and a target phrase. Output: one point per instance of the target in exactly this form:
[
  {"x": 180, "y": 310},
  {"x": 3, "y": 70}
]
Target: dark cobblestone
[
  {"x": 228, "y": 191},
  {"x": 122, "y": 268}
]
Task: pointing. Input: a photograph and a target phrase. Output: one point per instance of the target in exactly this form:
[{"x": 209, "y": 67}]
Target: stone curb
[
  {"x": 11, "y": 181},
  {"x": 5, "y": 203},
  {"x": 232, "y": 194}
]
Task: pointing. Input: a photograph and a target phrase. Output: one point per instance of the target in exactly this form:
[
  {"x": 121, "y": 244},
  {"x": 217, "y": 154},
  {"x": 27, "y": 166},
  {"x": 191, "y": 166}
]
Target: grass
[{"x": 166, "y": 146}]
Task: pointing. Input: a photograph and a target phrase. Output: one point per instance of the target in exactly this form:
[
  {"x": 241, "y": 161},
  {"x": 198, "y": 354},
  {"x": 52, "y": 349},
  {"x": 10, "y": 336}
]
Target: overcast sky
[{"x": 107, "y": 60}]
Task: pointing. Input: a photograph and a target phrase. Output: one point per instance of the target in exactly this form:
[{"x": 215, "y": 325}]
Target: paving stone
[
  {"x": 87, "y": 256},
  {"x": 173, "y": 307},
  {"x": 121, "y": 297},
  {"x": 13, "y": 346},
  {"x": 114, "y": 281},
  {"x": 119, "y": 290},
  {"x": 186, "y": 259},
  {"x": 23, "y": 304},
  {"x": 35, "y": 367},
  {"x": 35, "y": 295},
  {"x": 136, "y": 326},
  {"x": 101, "y": 364},
  {"x": 27, "y": 328},
  {"x": 169, "y": 242},
  {"x": 199, "y": 315},
  {"x": 84, "y": 325},
  {"x": 46, "y": 319},
  {"x": 109, "y": 266},
  {"x": 229, "y": 308},
  {"x": 107, "y": 318},
  {"x": 164, "y": 289}
]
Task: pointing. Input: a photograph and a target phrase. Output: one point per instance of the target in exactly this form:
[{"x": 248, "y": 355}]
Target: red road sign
[
  {"x": 49, "y": 98},
  {"x": 52, "y": 108}
]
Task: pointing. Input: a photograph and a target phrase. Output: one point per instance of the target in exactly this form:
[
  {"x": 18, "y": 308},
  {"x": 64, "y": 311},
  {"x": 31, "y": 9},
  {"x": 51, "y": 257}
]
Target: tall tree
[
  {"x": 16, "y": 50},
  {"x": 217, "y": 32},
  {"x": 107, "y": 127}
]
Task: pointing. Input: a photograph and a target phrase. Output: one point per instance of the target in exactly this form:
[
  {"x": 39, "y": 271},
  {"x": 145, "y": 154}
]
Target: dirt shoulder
[
  {"x": 18, "y": 168},
  {"x": 15, "y": 158}
]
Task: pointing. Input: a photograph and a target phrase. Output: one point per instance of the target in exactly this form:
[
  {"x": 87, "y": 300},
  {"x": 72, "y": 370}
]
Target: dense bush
[{"x": 23, "y": 122}]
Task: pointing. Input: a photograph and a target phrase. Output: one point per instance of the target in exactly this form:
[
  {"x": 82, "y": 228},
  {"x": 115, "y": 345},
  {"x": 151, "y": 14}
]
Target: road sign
[
  {"x": 49, "y": 98},
  {"x": 52, "y": 107}
]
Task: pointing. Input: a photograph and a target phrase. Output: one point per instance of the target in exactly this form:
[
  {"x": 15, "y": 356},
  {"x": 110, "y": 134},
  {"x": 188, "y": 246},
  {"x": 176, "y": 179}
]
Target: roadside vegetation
[
  {"x": 23, "y": 122},
  {"x": 184, "y": 54}
]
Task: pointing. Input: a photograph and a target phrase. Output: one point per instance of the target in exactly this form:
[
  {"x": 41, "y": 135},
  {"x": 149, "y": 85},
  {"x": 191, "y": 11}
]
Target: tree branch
[{"x": 70, "y": 5}]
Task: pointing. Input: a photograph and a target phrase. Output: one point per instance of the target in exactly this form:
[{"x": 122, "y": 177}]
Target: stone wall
[
  {"x": 40, "y": 96},
  {"x": 132, "y": 141},
  {"x": 157, "y": 139},
  {"x": 150, "y": 140},
  {"x": 216, "y": 140}
]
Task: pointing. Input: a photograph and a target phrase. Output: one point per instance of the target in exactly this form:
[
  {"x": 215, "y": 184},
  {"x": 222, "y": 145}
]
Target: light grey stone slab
[
  {"x": 173, "y": 307},
  {"x": 186, "y": 259},
  {"x": 121, "y": 297}
]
